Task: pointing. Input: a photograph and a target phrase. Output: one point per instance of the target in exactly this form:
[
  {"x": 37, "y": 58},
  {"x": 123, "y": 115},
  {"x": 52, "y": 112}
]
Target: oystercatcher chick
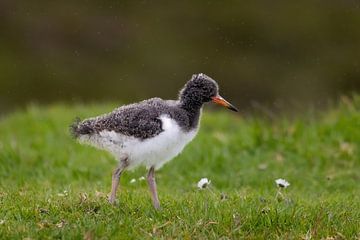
[{"x": 151, "y": 132}]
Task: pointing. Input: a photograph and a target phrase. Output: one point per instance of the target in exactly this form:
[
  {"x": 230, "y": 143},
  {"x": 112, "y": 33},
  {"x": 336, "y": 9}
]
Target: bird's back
[{"x": 138, "y": 120}]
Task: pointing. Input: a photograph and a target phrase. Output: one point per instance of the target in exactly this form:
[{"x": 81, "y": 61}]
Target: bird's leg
[
  {"x": 152, "y": 186},
  {"x": 115, "y": 183},
  {"x": 116, "y": 179}
]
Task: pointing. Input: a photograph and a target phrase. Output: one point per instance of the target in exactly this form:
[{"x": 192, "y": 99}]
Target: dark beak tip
[{"x": 232, "y": 108}]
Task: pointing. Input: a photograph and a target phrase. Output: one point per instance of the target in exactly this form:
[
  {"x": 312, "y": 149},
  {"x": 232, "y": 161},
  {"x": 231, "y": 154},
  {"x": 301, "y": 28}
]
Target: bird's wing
[{"x": 138, "y": 120}]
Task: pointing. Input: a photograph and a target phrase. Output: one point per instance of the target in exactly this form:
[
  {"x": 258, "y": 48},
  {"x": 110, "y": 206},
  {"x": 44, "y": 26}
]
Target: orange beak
[{"x": 221, "y": 101}]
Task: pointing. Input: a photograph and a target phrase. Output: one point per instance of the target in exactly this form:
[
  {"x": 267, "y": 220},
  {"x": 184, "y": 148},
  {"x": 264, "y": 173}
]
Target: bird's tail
[{"x": 78, "y": 128}]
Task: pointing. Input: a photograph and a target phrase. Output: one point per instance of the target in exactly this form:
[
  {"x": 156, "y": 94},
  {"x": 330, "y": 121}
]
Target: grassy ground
[{"x": 52, "y": 187}]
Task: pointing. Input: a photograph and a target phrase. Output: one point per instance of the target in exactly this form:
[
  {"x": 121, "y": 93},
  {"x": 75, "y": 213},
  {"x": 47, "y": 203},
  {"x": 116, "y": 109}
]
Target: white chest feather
[{"x": 155, "y": 151}]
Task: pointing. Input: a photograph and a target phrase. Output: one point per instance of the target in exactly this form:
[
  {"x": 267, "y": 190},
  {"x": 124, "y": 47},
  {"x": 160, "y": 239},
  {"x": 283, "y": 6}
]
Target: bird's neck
[{"x": 193, "y": 110}]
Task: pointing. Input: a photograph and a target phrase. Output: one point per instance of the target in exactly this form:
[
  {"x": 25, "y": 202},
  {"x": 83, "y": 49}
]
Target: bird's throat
[{"x": 193, "y": 110}]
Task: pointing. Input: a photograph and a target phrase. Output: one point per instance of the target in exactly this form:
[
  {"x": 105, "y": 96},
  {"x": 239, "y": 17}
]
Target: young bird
[{"x": 151, "y": 132}]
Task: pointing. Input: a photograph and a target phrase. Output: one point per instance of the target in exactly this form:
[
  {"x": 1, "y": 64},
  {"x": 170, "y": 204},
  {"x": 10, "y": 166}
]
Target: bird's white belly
[
  {"x": 155, "y": 151},
  {"x": 160, "y": 149}
]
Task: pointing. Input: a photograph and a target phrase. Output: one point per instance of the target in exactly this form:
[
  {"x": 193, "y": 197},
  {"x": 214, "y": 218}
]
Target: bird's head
[{"x": 201, "y": 89}]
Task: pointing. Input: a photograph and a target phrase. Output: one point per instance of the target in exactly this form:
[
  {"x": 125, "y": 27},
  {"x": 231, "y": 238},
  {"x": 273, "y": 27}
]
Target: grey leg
[
  {"x": 152, "y": 186},
  {"x": 116, "y": 179}
]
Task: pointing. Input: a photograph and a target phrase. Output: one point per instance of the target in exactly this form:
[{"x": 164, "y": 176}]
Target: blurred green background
[{"x": 279, "y": 55}]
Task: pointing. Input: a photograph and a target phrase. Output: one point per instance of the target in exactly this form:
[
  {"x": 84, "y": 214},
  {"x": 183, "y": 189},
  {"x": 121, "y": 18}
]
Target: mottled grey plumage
[{"x": 141, "y": 120}]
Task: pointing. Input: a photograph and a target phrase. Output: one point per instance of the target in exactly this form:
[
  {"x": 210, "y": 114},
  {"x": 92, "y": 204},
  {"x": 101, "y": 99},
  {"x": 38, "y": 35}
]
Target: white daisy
[
  {"x": 203, "y": 183},
  {"x": 141, "y": 178},
  {"x": 63, "y": 194},
  {"x": 282, "y": 183},
  {"x": 133, "y": 180}
]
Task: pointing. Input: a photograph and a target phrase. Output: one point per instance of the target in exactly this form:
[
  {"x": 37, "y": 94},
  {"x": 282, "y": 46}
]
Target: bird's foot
[
  {"x": 157, "y": 205},
  {"x": 112, "y": 200}
]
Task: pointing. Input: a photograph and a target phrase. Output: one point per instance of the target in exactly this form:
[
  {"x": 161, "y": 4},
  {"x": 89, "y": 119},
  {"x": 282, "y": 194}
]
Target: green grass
[{"x": 53, "y": 187}]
